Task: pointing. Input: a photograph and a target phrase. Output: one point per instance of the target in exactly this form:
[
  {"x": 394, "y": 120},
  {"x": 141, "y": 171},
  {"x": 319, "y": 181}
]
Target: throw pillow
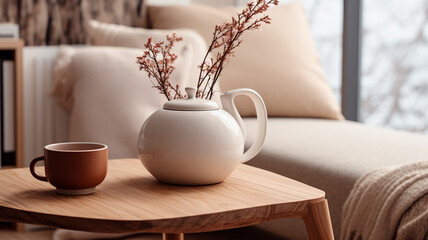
[{"x": 280, "y": 62}]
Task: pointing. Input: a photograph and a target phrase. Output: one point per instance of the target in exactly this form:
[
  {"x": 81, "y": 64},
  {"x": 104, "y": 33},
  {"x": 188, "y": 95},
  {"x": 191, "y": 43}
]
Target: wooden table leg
[
  {"x": 172, "y": 236},
  {"x": 318, "y": 222}
]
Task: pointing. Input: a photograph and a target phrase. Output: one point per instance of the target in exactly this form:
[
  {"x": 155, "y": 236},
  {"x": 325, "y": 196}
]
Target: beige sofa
[
  {"x": 328, "y": 154},
  {"x": 332, "y": 156}
]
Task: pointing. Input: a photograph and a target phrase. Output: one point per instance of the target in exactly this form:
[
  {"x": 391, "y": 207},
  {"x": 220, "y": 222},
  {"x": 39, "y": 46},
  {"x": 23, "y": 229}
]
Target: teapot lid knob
[
  {"x": 191, "y": 103},
  {"x": 191, "y": 92}
]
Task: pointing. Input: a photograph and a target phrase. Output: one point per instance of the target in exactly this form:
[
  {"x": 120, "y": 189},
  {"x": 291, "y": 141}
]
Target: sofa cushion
[
  {"x": 332, "y": 156},
  {"x": 280, "y": 62},
  {"x": 105, "y": 34}
]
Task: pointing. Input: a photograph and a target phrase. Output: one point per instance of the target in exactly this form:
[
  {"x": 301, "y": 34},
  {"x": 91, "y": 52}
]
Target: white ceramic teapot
[{"x": 194, "y": 142}]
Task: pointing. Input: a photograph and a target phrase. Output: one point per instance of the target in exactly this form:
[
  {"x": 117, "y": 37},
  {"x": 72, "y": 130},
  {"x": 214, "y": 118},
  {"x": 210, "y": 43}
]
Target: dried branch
[
  {"x": 158, "y": 61},
  {"x": 226, "y": 38}
]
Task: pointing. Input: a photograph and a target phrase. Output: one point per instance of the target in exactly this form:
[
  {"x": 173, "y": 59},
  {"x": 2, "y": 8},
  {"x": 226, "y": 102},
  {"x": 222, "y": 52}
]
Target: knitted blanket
[{"x": 389, "y": 203}]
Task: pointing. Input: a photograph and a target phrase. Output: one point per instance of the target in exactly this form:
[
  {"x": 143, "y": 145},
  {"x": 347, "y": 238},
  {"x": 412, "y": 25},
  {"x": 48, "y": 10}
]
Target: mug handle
[
  {"x": 227, "y": 100},
  {"x": 32, "y": 170}
]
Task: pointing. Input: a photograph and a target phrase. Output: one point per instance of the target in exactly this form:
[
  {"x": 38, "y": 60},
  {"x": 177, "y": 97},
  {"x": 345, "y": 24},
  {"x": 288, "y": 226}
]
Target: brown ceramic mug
[{"x": 74, "y": 168}]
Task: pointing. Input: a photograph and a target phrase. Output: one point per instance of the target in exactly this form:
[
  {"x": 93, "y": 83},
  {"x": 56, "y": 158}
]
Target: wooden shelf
[
  {"x": 11, "y": 44},
  {"x": 16, "y": 46}
]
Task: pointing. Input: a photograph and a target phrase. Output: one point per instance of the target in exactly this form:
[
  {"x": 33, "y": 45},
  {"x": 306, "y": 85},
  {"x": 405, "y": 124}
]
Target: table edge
[{"x": 172, "y": 225}]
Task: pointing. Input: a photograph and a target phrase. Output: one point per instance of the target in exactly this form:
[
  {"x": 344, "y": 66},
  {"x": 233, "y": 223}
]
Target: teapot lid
[{"x": 191, "y": 103}]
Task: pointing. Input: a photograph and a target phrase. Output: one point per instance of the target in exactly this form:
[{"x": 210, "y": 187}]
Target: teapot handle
[{"x": 227, "y": 100}]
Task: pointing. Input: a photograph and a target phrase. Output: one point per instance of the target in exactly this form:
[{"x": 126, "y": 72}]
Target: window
[{"x": 394, "y": 73}]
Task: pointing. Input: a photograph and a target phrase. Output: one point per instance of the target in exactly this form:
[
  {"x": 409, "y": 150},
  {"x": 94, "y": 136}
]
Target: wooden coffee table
[{"x": 131, "y": 200}]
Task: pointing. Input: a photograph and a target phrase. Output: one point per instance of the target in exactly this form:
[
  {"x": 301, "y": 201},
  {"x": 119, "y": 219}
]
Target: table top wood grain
[{"x": 131, "y": 200}]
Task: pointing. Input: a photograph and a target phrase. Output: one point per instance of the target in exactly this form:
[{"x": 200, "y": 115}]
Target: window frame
[{"x": 351, "y": 59}]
